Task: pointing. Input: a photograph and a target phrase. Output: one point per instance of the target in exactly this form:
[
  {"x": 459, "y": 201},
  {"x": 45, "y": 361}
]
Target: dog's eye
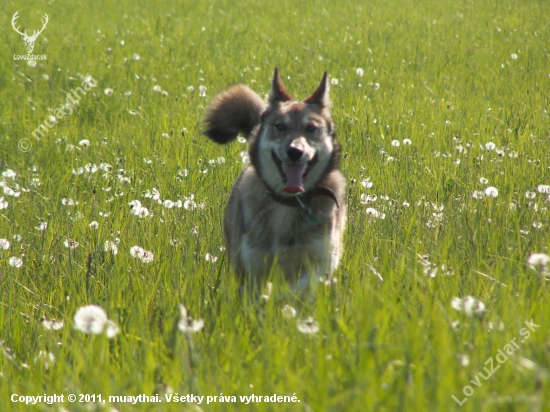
[
  {"x": 280, "y": 127},
  {"x": 310, "y": 128}
]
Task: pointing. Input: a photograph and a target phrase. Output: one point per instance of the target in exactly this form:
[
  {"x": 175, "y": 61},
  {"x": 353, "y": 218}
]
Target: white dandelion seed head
[
  {"x": 395, "y": 143},
  {"x": 373, "y": 212},
  {"x": 491, "y": 191},
  {"x": 530, "y": 195},
  {"x": 52, "y": 324},
  {"x": 84, "y": 143},
  {"x": 483, "y": 180},
  {"x": 540, "y": 262},
  {"x": 471, "y": 306},
  {"x": 108, "y": 91},
  {"x": 110, "y": 247},
  {"x": 210, "y": 258},
  {"x": 153, "y": 194},
  {"x": 147, "y": 256},
  {"x": 288, "y": 312},
  {"x": 94, "y": 225},
  {"x": 514, "y": 56},
  {"x": 136, "y": 251},
  {"x": 189, "y": 204},
  {"x": 168, "y": 204},
  {"x": 157, "y": 88},
  {"x": 193, "y": 325},
  {"x": 139, "y": 253},
  {"x": 9, "y": 174},
  {"x": 407, "y": 142},
  {"x": 360, "y": 72},
  {"x": 10, "y": 192},
  {"x": 4, "y": 244},
  {"x": 241, "y": 139},
  {"x": 334, "y": 81},
  {"x": 364, "y": 199},
  {"x": 545, "y": 189},
  {"x": 187, "y": 324},
  {"x": 457, "y": 304},
  {"x": 366, "y": 183},
  {"x": 490, "y": 146},
  {"x": 308, "y": 326},
  {"x": 477, "y": 194},
  {"x": 71, "y": 244},
  {"x": 15, "y": 261},
  {"x": 90, "y": 319},
  {"x": 111, "y": 329},
  {"x": 136, "y": 56},
  {"x": 537, "y": 225},
  {"x": 3, "y": 204},
  {"x": 137, "y": 209},
  {"x": 90, "y": 168}
]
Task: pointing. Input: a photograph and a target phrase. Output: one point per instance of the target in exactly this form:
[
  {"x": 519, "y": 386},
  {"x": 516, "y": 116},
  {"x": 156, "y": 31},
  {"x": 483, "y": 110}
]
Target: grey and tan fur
[{"x": 288, "y": 205}]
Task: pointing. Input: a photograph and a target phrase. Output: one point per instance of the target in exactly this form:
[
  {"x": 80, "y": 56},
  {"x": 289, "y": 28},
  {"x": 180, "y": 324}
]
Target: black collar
[{"x": 300, "y": 199}]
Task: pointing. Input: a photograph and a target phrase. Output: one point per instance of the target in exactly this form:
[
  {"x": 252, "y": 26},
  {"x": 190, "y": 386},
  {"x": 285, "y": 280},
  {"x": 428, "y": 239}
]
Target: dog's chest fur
[{"x": 263, "y": 228}]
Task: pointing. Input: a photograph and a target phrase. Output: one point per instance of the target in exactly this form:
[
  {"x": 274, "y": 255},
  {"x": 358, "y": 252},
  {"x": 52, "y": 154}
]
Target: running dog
[{"x": 288, "y": 206}]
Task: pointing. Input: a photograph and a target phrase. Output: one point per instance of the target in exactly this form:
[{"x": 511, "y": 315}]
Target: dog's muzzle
[{"x": 293, "y": 174}]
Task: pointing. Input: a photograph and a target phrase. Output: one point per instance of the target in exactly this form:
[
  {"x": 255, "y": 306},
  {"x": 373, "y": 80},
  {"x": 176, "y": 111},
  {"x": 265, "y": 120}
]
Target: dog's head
[{"x": 295, "y": 146}]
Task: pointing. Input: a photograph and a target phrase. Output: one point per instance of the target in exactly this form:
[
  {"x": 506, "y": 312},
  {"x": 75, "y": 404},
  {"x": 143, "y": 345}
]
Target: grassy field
[{"x": 465, "y": 83}]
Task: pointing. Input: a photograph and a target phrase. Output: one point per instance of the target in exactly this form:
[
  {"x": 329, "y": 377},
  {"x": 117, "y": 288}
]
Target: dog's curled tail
[{"x": 236, "y": 110}]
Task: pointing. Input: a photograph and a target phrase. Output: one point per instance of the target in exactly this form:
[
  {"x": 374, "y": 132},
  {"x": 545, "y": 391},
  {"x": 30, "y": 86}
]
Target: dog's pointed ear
[
  {"x": 321, "y": 95},
  {"x": 278, "y": 92}
]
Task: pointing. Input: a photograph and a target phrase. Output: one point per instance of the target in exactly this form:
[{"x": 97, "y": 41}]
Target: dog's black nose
[{"x": 294, "y": 153}]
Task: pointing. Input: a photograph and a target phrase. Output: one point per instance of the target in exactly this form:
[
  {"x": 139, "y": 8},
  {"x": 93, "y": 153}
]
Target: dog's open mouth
[{"x": 293, "y": 174}]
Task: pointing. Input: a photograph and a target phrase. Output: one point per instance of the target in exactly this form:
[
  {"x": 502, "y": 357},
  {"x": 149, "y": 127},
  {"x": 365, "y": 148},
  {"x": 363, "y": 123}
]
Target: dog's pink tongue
[{"x": 294, "y": 175}]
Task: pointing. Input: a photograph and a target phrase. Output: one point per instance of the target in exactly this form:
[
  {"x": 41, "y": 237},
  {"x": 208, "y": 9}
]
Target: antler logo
[{"x": 29, "y": 40}]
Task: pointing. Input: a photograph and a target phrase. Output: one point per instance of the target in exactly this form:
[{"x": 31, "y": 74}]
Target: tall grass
[{"x": 450, "y": 76}]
